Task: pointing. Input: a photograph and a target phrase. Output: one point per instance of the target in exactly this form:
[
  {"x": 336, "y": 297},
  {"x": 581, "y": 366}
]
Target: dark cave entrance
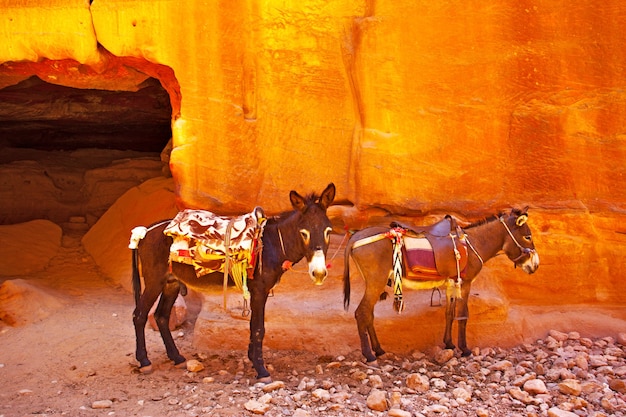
[
  {"x": 38, "y": 115},
  {"x": 67, "y": 154}
]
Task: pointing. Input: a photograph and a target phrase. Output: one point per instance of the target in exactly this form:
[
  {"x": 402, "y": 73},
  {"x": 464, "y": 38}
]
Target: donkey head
[
  {"x": 519, "y": 246},
  {"x": 314, "y": 228}
]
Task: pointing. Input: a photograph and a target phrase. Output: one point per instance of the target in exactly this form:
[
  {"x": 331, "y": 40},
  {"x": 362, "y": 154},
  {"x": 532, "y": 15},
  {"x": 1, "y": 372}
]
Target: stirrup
[{"x": 431, "y": 297}]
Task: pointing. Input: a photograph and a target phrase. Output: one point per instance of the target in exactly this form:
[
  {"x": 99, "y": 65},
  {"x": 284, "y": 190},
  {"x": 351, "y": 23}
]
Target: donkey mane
[{"x": 516, "y": 212}]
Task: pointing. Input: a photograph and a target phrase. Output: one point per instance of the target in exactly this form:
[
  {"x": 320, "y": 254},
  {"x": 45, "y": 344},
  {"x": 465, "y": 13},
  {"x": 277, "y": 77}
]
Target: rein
[{"x": 524, "y": 251}]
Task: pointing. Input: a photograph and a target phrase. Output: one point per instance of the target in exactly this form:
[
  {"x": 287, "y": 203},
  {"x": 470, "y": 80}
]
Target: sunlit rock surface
[{"x": 410, "y": 108}]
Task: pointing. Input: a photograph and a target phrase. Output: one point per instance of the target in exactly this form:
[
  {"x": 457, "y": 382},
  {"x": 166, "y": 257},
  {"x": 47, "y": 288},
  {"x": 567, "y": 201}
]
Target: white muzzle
[{"x": 317, "y": 268}]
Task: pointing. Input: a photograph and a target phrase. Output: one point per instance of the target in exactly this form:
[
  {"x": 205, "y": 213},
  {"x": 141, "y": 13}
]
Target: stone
[
  {"x": 101, "y": 404},
  {"x": 618, "y": 385},
  {"x": 418, "y": 382},
  {"x": 375, "y": 381},
  {"x": 444, "y": 355},
  {"x": 558, "y": 336},
  {"x": 194, "y": 365},
  {"x": 273, "y": 386},
  {"x": 557, "y": 412},
  {"x": 257, "y": 407},
  {"x": 570, "y": 387},
  {"x": 377, "y": 400},
  {"x": 535, "y": 386},
  {"x": 462, "y": 393},
  {"x": 501, "y": 365},
  {"x": 438, "y": 408},
  {"x": 520, "y": 395},
  {"x": 396, "y": 412},
  {"x": 321, "y": 394}
]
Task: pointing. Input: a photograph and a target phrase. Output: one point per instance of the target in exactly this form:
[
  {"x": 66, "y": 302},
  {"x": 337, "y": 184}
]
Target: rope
[
  {"x": 227, "y": 260},
  {"x": 345, "y": 237}
]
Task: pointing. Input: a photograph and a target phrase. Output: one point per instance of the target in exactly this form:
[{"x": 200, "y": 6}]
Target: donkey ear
[
  {"x": 297, "y": 201},
  {"x": 328, "y": 195}
]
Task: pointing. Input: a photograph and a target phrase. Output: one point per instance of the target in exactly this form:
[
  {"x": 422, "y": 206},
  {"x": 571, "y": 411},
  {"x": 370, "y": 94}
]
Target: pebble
[
  {"x": 570, "y": 387},
  {"x": 101, "y": 404},
  {"x": 377, "y": 400},
  {"x": 273, "y": 386},
  {"x": 194, "y": 366},
  {"x": 396, "y": 412},
  {"x": 535, "y": 386},
  {"x": 557, "y": 412},
  {"x": 561, "y": 375}
]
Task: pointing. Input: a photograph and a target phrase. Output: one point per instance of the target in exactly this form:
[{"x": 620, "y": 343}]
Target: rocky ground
[{"x": 78, "y": 361}]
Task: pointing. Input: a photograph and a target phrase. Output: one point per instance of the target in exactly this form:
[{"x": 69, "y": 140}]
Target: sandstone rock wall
[{"x": 411, "y": 107}]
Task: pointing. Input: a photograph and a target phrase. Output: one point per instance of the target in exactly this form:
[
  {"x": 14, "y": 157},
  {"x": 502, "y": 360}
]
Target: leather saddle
[{"x": 437, "y": 258}]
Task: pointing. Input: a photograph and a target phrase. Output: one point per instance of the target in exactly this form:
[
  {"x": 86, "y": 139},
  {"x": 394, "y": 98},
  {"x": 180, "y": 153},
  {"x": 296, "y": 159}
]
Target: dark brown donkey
[
  {"x": 372, "y": 251},
  {"x": 288, "y": 238}
]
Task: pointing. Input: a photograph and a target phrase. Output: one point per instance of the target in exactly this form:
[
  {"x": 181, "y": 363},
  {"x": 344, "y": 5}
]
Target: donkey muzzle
[
  {"x": 531, "y": 264},
  {"x": 317, "y": 267}
]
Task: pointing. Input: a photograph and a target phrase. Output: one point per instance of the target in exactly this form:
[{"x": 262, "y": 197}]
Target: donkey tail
[
  {"x": 346, "y": 276},
  {"x": 137, "y": 234},
  {"x": 135, "y": 277}
]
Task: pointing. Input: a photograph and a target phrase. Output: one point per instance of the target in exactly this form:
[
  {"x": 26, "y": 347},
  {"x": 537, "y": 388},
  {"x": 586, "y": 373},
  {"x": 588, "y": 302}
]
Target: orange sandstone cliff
[{"x": 411, "y": 108}]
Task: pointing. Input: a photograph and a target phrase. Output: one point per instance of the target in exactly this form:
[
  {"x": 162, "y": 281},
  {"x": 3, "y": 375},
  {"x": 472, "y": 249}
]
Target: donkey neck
[
  {"x": 487, "y": 238},
  {"x": 283, "y": 241}
]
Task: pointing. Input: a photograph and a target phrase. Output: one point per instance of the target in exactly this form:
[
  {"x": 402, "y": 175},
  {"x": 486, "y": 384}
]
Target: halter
[{"x": 524, "y": 251}]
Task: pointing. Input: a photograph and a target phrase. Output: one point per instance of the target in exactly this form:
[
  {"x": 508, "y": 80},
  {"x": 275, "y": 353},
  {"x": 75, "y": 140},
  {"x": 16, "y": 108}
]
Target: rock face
[{"x": 409, "y": 108}]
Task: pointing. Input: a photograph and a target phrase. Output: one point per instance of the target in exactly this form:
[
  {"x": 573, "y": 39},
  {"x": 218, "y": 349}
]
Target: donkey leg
[
  {"x": 162, "y": 318},
  {"x": 364, "y": 316},
  {"x": 450, "y": 314},
  {"x": 140, "y": 318},
  {"x": 462, "y": 317},
  {"x": 371, "y": 331},
  {"x": 257, "y": 333}
]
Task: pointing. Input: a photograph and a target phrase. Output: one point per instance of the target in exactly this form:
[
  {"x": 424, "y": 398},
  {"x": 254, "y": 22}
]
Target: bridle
[{"x": 524, "y": 250}]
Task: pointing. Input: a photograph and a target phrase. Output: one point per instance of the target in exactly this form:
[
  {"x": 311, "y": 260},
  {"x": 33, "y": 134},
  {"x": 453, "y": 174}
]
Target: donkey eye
[
  {"x": 327, "y": 232},
  {"x": 306, "y": 236},
  {"x": 528, "y": 238}
]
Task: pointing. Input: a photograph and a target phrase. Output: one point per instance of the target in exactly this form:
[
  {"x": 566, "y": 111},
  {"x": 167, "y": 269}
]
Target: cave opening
[
  {"x": 38, "y": 115},
  {"x": 67, "y": 154}
]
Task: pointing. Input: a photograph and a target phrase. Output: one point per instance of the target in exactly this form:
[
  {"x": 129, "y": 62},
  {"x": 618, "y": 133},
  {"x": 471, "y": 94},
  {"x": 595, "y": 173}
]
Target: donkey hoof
[
  {"x": 181, "y": 365},
  {"x": 145, "y": 370},
  {"x": 373, "y": 363},
  {"x": 265, "y": 380}
]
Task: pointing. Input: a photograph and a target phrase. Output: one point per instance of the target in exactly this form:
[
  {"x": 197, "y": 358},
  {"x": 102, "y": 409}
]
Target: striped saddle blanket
[{"x": 426, "y": 261}]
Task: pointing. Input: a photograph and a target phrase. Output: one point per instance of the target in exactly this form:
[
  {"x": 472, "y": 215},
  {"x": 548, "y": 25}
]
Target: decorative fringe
[{"x": 239, "y": 273}]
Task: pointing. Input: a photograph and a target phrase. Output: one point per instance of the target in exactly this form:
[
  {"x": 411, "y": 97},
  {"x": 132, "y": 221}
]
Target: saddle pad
[
  {"x": 420, "y": 261},
  {"x": 419, "y": 256},
  {"x": 200, "y": 238}
]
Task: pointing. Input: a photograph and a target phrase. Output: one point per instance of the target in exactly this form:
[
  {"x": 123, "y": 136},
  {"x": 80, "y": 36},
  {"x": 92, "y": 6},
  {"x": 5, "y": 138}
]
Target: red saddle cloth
[{"x": 422, "y": 263}]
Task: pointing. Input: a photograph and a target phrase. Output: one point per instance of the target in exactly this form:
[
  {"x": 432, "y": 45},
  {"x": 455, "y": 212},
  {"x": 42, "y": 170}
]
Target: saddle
[
  {"x": 430, "y": 252},
  {"x": 210, "y": 242}
]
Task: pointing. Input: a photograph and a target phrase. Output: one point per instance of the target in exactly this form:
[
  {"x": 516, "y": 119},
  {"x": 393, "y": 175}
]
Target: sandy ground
[{"x": 83, "y": 352}]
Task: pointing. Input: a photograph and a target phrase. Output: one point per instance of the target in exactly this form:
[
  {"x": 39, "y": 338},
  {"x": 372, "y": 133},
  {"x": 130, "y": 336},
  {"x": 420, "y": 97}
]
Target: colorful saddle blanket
[
  {"x": 423, "y": 262},
  {"x": 203, "y": 239}
]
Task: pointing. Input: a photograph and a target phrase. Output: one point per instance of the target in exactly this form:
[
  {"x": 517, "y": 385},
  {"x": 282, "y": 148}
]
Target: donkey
[
  {"x": 509, "y": 233},
  {"x": 286, "y": 239}
]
